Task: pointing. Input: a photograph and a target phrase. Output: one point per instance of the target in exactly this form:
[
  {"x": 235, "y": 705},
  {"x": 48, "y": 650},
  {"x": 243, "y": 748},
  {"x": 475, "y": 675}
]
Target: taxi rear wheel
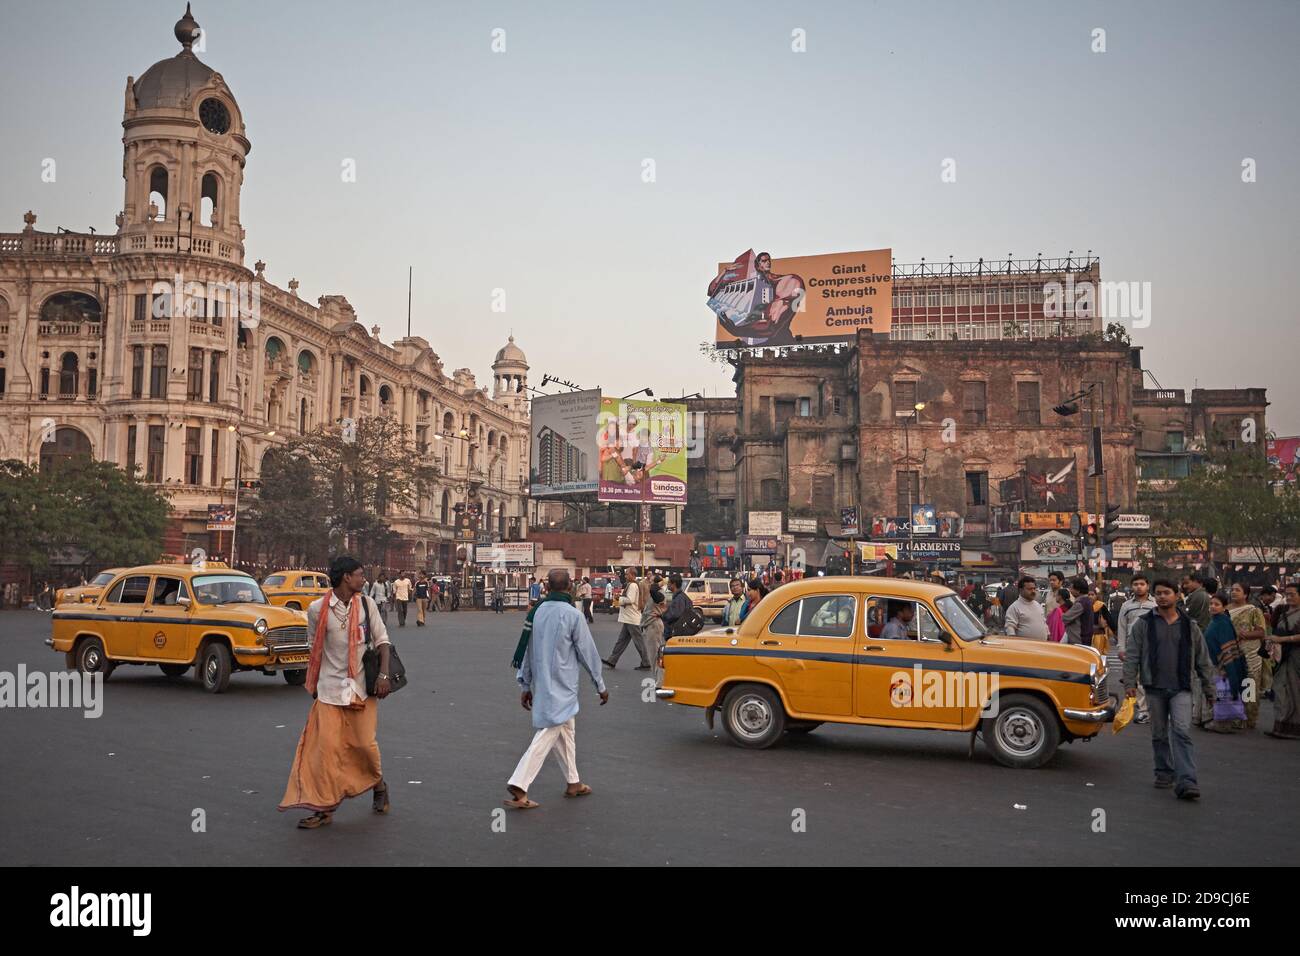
[
  {"x": 295, "y": 678},
  {"x": 1024, "y": 734},
  {"x": 753, "y": 715},
  {"x": 214, "y": 667},
  {"x": 91, "y": 658}
]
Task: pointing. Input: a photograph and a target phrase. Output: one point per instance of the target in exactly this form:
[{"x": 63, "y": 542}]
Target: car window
[
  {"x": 927, "y": 626},
  {"x": 960, "y": 618},
  {"x": 102, "y": 578},
  {"x": 227, "y": 589},
  {"x": 274, "y": 581},
  {"x": 132, "y": 590},
  {"x": 166, "y": 590},
  {"x": 695, "y": 587},
  {"x": 722, "y": 588},
  {"x": 827, "y": 615},
  {"x": 893, "y": 619},
  {"x": 787, "y": 620}
]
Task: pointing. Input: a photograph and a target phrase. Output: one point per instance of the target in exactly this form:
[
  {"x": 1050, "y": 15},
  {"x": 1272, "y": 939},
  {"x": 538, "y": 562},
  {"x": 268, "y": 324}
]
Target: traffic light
[
  {"x": 1090, "y": 536},
  {"x": 1112, "y": 529},
  {"x": 250, "y": 484}
]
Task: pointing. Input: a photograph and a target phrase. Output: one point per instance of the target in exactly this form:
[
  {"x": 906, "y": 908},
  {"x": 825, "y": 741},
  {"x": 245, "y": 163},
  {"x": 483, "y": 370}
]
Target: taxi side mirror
[{"x": 182, "y": 600}]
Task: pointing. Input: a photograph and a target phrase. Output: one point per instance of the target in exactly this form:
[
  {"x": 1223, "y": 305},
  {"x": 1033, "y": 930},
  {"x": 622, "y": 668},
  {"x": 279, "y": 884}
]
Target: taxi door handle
[
  {"x": 873, "y": 647},
  {"x": 771, "y": 643}
]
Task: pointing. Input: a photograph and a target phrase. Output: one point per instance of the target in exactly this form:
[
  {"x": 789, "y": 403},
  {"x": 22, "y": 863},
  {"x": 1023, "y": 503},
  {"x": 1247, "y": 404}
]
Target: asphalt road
[{"x": 122, "y": 789}]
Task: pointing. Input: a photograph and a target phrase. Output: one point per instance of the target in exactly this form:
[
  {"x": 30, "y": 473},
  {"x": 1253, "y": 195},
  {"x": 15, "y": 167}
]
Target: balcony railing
[
  {"x": 57, "y": 244},
  {"x": 70, "y": 329}
]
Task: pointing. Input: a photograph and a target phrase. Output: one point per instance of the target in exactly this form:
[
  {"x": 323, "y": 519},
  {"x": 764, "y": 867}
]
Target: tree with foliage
[
  {"x": 79, "y": 505},
  {"x": 284, "y": 521},
  {"x": 350, "y": 487}
]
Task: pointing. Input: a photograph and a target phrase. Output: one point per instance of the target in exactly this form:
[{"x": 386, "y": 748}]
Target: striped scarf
[{"x": 318, "y": 640}]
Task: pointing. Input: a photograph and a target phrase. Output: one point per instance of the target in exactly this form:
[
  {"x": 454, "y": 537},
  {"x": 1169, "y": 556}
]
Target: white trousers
[{"x": 560, "y": 739}]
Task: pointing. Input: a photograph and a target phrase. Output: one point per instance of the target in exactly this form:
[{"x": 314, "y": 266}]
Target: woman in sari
[
  {"x": 1248, "y": 621},
  {"x": 1286, "y": 675},
  {"x": 1225, "y": 651},
  {"x": 1055, "y": 620},
  {"x": 652, "y": 626}
]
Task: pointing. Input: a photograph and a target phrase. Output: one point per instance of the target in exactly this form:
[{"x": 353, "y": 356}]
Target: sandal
[
  {"x": 520, "y": 803},
  {"x": 381, "y": 803},
  {"x": 582, "y": 791},
  {"x": 316, "y": 820}
]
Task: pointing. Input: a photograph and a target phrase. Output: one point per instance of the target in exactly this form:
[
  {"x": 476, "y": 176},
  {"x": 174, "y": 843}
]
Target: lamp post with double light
[
  {"x": 913, "y": 414},
  {"x": 239, "y": 435}
]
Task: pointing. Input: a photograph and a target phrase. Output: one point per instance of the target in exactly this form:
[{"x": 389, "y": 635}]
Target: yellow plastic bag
[{"x": 1124, "y": 716}]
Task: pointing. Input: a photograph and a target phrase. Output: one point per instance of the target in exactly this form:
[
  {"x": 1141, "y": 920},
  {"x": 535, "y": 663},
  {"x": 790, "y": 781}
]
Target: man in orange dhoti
[{"x": 338, "y": 756}]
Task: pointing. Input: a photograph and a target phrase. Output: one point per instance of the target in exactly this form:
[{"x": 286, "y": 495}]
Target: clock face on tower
[{"x": 214, "y": 116}]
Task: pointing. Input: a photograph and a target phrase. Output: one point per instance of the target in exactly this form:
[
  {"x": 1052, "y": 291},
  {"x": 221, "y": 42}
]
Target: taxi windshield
[
  {"x": 227, "y": 589},
  {"x": 102, "y": 578},
  {"x": 961, "y": 618}
]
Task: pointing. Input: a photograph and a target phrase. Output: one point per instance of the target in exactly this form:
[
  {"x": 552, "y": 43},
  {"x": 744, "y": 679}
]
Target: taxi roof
[
  {"x": 885, "y": 587},
  {"x": 212, "y": 568}
]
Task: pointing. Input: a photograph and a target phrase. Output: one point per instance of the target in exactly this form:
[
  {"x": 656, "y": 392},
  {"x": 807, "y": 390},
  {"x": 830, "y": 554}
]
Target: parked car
[
  {"x": 710, "y": 595},
  {"x": 89, "y": 592},
  {"x": 177, "y": 617},
  {"x": 295, "y": 589},
  {"x": 813, "y": 652}
]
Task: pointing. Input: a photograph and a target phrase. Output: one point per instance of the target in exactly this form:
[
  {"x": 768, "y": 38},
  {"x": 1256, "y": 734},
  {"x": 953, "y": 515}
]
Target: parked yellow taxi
[
  {"x": 889, "y": 653},
  {"x": 89, "y": 592},
  {"x": 181, "y": 616},
  {"x": 710, "y": 595},
  {"x": 295, "y": 589}
]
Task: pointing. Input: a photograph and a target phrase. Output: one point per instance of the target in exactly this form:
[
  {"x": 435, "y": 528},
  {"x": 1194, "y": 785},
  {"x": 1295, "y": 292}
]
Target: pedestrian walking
[
  {"x": 380, "y": 590},
  {"x": 1140, "y": 603},
  {"x": 1248, "y": 621},
  {"x": 1167, "y": 656},
  {"x": 421, "y": 599},
  {"x": 1025, "y": 616},
  {"x": 731, "y": 613},
  {"x": 534, "y": 591},
  {"x": 1007, "y": 596},
  {"x": 754, "y": 592},
  {"x": 1286, "y": 675},
  {"x": 630, "y": 605},
  {"x": 402, "y": 589},
  {"x": 679, "y": 607},
  {"x": 1196, "y": 600},
  {"x": 584, "y": 595},
  {"x": 338, "y": 754},
  {"x": 652, "y": 626},
  {"x": 1079, "y": 619},
  {"x": 455, "y": 595},
  {"x": 499, "y": 598},
  {"x": 1229, "y": 666},
  {"x": 1061, "y": 601},
  {"x": 555, "y": 643},
  {"x": 435, "y": 595}
]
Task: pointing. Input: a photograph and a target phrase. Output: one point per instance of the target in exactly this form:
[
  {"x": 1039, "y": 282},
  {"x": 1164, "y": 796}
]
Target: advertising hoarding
[
  {"x": 1045, "y": 520},
  {"x": 1051, "y": 484},
  {"x": 764, "y": 301},
  {"x": 759, "y": 543},
  {"x": 887, "y": 526},
  {"x": 802, "y": 525},
  {"x": 563, "y": 443},
  {"x": 1051, "y": 548},
  {"x": 507, "y": 554},
  {"x": 923, "y": 520},
  {"x": 642, "y": 451},
  {"x": 849, "y": 524},
  {"x": 1284, "y": 453},
  {"x": 221, "y": 518},
  {"x": 765, "y": 522}
]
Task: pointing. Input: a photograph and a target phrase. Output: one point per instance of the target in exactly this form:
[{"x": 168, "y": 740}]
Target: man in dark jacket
[
  {"x": 679, "y": 605},
  {"x": 1166, "y": 654}
]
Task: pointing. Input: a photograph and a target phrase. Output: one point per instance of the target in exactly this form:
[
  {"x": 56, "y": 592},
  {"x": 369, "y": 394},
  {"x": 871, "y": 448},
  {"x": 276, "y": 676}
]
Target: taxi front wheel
[
  {"x": 1024, "y": 734},
  {"x": 295, "y": 678},
  {"x": 214, "y": 667},
  {"x": 753, "y": 715}
]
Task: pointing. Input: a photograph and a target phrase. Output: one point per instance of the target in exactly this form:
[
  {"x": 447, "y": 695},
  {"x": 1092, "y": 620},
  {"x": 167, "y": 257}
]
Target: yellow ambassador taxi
[
  {"x": 180, "y": 616},
  {"x": 89, "y": 592},
  {"x": 889, "y": 653},
  {"x": 295, "y": 589}
]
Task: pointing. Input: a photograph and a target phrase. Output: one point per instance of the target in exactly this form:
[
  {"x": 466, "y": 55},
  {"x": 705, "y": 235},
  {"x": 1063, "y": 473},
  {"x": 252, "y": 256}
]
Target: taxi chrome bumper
[
  {"x": 663, "y": 693},
  {"x": 1094, "y": 715}
]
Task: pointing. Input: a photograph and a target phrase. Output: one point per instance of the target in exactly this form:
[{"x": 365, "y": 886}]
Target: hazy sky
[{"x": 523, "y": 170}]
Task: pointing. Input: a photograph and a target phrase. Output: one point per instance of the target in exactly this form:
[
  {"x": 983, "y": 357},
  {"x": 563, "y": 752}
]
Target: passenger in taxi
[{"x": 898, "y": 628}]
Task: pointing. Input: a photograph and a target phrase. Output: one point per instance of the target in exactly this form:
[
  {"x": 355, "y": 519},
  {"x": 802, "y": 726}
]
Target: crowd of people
[{"x": 400, "y": 593}]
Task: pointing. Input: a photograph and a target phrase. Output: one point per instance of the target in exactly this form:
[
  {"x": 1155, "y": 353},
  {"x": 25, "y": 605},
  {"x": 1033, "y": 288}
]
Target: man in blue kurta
[{"x": 559, "y": 643}]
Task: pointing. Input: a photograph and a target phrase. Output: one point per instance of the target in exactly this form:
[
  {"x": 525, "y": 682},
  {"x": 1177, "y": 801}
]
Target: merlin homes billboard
[
  {"x": 764, "y": 301},
  {"x": 642, "y": 451},
  {"x": 563, "y": 452}
]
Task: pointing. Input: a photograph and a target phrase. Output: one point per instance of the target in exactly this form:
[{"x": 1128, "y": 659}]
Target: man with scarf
[
  {"x": 554, "y": 644},
  {"x": 337, "y": 755},
  {"x": 1168, "y": 657}
]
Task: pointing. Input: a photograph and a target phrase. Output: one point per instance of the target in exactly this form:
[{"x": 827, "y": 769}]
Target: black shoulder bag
[{"x": 370, "y": 660}]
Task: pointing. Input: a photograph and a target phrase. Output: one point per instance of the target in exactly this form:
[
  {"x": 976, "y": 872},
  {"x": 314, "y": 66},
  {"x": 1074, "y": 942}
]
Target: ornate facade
[{"x": 157, "y": 349}]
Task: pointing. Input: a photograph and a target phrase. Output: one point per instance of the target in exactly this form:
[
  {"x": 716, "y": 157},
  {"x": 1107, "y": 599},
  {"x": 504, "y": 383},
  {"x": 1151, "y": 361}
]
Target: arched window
[
  {"x": 68, "y": 376},
  {"x": 274, "y": 348},
  {"x": 365, "y": 385},
  {"x": 158, "y": 190},
  {"x": 306, "y": 362},
  {"x": 68, "y": 443},
  {"x": 445, "y": 515},
  {"x": 448, "y": 423},
  {"x": 302, "y": 416},
  {"x": 385, "y": 395},
  {"x": 67, "y": 308},
  {"x": 208, "y": 203}
]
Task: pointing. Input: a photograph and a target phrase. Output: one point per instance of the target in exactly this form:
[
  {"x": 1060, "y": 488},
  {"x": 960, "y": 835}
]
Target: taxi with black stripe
[
  {"x": 177, "y": 617},
  {"x": 887, "y": 652},
  {"x": 295, "y": 589}
]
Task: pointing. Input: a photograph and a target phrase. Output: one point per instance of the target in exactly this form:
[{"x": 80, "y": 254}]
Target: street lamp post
[
  {"x": 234, "y": 523},
  {"x": 907, "y": 459}
]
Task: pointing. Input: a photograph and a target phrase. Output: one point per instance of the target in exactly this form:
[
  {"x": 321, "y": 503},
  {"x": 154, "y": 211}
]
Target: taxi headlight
[{"x": 260, "y": 627}]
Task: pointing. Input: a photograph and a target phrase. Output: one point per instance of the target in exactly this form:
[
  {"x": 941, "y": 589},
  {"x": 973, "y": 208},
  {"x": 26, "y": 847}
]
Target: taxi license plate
[{"x": 295, "y": 659}]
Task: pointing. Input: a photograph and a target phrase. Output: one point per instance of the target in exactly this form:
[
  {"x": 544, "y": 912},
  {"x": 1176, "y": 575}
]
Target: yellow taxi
[
  {"x": 89, "y": 592},
  {"x": 180, "y": 616},
  {"x": 888, "y": 653},
  {"x": 710, "y": 595},
  {"x": 295, "y": 589}
]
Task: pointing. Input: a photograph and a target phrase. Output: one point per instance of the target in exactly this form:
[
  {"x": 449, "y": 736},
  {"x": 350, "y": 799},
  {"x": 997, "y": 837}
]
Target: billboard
[
  {"x": 642, "y": 451},
  {"x": 221, "y": 518},
  {"x": 1284, "y": 453},
  {"x": 1052, "y": 484},
  {"x": 849, "y": 522},
  {"x": 802, "y": 525},
  {"x": 765, "y": 522},
  {"x": 563, "y": 443},
  {"x": 760, "y": 543},
  {"x": 507, "y": 554},
  {"x": 1051, "y": 548},
  {"x": 1045, "y": 520},
  {"x": 764, "y": 301},
  {"x": 899, "y": 526}
]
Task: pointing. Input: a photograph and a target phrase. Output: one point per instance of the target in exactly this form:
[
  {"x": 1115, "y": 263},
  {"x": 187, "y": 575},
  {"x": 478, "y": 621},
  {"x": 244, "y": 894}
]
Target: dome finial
[{"x": 187, "y": 29}]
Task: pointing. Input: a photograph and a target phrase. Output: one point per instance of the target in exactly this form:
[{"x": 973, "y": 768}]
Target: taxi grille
[{"x": 283, "y": 639}]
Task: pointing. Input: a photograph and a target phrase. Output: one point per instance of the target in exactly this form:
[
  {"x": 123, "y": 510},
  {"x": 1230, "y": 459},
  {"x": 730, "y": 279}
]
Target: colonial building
[{"x": 158, "y": 349}]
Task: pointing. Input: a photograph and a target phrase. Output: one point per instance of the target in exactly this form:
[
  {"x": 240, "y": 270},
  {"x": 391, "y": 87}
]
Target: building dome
[
  {"x": 511, "y": 354},
  {"x": 172, "y": 83}
]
